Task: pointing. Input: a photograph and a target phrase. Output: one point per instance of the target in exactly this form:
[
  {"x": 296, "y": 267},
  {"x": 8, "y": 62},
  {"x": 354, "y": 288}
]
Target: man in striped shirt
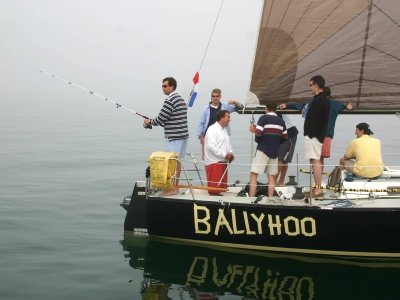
[
  {"x": 270, "y": 133},
  {"x": 173, "y": 117}
]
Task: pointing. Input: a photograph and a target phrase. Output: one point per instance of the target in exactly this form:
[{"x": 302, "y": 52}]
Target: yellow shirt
[{"x": 366, "y": 151}]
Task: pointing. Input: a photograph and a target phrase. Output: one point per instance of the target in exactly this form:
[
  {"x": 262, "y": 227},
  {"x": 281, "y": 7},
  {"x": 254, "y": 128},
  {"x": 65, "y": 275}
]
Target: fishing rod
[{"x": 91, "y": 92}]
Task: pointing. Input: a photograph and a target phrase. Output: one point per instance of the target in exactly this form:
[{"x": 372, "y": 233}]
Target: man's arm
[
  {"x": 234, "y": 105},
  {"x": 201, "y": 127},
  {"x": 297, "y": 106},
  {"x": 164, "y": 115}
]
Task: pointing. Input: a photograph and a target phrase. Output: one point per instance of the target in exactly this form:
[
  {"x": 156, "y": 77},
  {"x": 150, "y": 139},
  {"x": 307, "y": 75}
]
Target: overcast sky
[{"x": 122, "y": 49}]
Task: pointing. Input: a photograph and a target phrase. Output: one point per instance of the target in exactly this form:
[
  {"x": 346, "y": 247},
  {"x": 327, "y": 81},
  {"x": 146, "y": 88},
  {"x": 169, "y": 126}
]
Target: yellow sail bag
[{"x": 162, "y": 169}]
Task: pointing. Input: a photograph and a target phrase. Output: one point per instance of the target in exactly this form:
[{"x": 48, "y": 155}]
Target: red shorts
[
  {"x": 214, "y": 174},
  {"x": 326, "y": 147}
]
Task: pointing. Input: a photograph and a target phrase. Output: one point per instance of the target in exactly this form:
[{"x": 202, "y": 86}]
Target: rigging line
[
  {"x": 284, "y": 15},
  {"x": 269, "y": 13},
  {"x": 269, "y": 45},
  {"x": 331, "y": 85},
  {"x": 328, "y": 38},
  {"x": 384, "y": 82},
  {"x": 329, "y": 62},
  {"x": 364, "y": 54},
  {"x": 322, "y": 22},
  {"x": 91, "y": 92},
  {"x": 387, "y": 15},
  {"x": 211, "y": 35},
  {"x": 279, "y": 26},
  {"x": 302, "y": 16},
  {"x": 383, "y": 52},
  {"x": 344, "y": 96},
  {"x": 362, "y": 94},
  {"x": 347, "y": 54}
]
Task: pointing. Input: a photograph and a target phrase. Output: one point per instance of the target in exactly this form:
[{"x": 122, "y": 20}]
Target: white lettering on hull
[{"x": 253, "y": 224}]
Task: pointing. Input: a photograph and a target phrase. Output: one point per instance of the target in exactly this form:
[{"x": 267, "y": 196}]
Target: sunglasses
[{"x": 164, "y": 86}]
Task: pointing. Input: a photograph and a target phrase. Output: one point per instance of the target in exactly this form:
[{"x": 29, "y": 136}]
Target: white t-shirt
[{"x": 217, "y": 144}]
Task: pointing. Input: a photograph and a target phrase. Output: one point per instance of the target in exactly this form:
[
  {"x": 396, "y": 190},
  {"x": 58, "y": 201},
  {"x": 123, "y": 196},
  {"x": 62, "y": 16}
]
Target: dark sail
[{"x": 353, "y": 44}]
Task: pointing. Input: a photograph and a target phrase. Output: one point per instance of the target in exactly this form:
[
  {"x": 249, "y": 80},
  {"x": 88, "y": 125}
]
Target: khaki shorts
[
  {"x": 312, "y": 148},
  {"x": 264, "y": 164}
]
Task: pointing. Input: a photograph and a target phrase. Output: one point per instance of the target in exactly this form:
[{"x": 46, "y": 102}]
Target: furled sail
[{"x": 353, "y": 44}]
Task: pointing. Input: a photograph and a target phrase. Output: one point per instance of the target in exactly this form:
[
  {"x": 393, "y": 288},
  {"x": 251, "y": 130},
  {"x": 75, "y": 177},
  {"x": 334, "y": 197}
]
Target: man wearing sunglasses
[
  {"x": 208, "y": 115},
  {"x": 173, "y": 117},
  {"x": 315, "y": 126}
]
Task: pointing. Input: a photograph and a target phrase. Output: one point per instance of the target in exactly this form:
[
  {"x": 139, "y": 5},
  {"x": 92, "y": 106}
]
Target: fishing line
[{"x": 91, "y": 92}]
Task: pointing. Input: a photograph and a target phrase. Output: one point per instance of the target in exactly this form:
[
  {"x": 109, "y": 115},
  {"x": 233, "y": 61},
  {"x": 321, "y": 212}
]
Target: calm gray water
[{"x": 62, "y": 177}]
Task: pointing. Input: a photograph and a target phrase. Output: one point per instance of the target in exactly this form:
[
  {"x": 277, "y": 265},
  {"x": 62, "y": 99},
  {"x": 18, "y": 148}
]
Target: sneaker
[{"x": 349, "y": 177}]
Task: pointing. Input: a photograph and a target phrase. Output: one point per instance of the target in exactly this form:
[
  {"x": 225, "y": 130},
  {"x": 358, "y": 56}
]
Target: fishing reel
[{"x": 148, "y": 126}]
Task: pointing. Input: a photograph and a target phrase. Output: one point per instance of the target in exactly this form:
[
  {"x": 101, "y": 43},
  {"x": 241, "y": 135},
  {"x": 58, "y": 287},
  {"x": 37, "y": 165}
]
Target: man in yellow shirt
[{"x": 363, "y": 157}]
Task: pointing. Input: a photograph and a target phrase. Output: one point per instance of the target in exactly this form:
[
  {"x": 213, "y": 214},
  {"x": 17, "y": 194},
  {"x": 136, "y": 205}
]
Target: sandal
[{"x": 319, "y": 195}]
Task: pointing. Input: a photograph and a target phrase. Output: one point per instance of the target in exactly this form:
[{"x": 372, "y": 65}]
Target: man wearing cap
[{"x": 363, "y": 157}]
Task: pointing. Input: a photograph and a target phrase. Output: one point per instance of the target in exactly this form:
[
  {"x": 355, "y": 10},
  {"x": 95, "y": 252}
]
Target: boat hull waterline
[{"x": 304, "y": 229}]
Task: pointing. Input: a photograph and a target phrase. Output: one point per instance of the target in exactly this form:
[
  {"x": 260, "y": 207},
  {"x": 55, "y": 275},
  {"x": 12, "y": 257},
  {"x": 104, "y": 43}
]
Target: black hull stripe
[{"x": 287, "y": 250}]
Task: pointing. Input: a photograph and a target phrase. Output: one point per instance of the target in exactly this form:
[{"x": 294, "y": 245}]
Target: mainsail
[{"x": 352, "y": 43}]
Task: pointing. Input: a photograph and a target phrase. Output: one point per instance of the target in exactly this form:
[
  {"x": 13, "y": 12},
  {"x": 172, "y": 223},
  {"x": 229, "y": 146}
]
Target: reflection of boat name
[
  {"x": 249, "y": 280},
  {"x": 253, "y": 224}
]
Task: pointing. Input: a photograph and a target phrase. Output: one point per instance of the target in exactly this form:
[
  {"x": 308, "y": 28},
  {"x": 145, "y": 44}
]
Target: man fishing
[{"x": 173, "y": 117}]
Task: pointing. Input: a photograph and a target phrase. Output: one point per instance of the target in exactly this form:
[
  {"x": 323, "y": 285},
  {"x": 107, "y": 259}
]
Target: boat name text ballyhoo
[{"x": 253, "y": 224}]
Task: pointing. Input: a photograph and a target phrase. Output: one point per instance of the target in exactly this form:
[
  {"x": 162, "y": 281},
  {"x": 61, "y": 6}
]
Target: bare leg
[
  {"x": 341, "y": 162},
  {"x": 271, "y": 185},
  {"x": 322, "y": 164},
  {"x": 317, "y": 170},
  {"x": 253, "y": 184},
  {"x": 282, "y": 170}
]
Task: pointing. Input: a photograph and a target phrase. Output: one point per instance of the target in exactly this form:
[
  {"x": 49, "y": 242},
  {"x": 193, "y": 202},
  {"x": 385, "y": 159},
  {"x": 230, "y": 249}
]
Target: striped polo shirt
[
  {"x": 270, "y": 133},
  {"x": 173, "y": 117}
]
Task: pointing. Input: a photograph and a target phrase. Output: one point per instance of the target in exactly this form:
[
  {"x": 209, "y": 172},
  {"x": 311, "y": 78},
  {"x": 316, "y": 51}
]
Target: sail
[{"x": 352, "y": 44}]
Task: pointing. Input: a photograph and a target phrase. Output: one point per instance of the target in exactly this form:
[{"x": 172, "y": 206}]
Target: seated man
[{"x": 363, "y": 157}]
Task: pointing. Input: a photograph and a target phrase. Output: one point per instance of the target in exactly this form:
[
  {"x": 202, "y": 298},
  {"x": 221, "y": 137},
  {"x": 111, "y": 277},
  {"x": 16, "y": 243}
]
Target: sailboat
[{"x": 353, "y": 43}]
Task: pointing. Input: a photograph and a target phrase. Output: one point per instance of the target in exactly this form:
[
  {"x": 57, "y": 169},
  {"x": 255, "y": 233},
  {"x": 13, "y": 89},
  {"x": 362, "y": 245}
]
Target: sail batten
[{"x": 353, "y": 44}]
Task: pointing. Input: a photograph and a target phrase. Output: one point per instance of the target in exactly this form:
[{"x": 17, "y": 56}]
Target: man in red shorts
[{"x": 218, "y": 152}]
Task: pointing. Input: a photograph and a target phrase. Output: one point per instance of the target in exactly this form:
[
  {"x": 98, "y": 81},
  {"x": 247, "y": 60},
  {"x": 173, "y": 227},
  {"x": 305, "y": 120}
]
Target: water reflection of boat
[{"x": 218, "y": 273}]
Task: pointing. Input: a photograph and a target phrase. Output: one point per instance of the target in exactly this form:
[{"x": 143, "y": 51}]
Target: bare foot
[{"x": 170, "y": 192}]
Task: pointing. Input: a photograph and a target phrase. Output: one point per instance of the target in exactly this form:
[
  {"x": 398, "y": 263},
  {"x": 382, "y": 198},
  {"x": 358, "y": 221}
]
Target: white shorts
[
  {"x": 312, "y": 148},
  {"x": 178, "y": 146},
  {"x": 264, "y": 164}
]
